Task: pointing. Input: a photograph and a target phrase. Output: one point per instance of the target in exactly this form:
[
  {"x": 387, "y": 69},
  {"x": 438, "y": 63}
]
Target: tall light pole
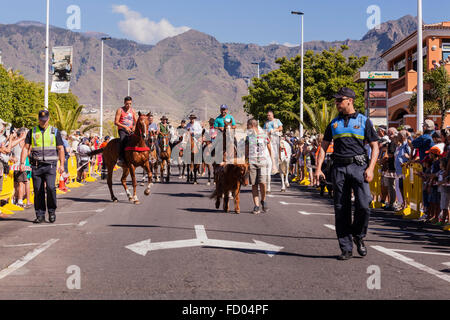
[
  {"x": 419, "y": 66},
  {"x": 101, "y": 89},
  {"x": 130, "y": 79},
  {"x": 257, "y": 63},
  {"x": 301, "y": 76},
  {"x": 47, "y": 31}
]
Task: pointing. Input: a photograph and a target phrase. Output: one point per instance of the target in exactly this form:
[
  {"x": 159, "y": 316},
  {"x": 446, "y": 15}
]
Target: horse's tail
[
  {"x": 214, "y": 194},
  {"x": 95, "y": 152}
]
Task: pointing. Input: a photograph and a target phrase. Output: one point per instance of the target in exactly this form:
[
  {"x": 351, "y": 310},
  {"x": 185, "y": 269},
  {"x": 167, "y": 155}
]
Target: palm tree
[
  {"x": 437, "y": 96},
  {"x": 69, "y": 121},
  {"x": 319, "y": 118}
]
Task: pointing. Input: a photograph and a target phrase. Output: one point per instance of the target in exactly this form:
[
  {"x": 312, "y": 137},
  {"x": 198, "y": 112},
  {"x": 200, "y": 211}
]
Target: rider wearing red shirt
[{"x": 125, "y": 121}]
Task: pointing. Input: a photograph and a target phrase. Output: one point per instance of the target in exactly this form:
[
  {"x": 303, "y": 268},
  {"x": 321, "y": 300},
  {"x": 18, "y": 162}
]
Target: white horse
[{"x": 285, "y": 160}]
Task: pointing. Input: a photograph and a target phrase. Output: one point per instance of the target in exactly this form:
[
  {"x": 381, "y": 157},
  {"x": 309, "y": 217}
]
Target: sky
[{"x": 243, "y": 21}]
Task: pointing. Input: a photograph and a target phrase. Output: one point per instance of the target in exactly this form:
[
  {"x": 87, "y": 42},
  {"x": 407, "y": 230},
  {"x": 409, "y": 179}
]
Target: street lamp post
[
  {"x": 101, "y": 89},
  {"x": 129, "y": 80},
  {"x": 257, "y": 63},
  {"x": 419, "y": 66},
  {"x": 47, "y": 31},
  {"x": 301, "y": 76}
]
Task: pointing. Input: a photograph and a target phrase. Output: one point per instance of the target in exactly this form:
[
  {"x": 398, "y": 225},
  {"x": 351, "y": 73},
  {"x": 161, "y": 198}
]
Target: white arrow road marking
[
  {"x": 20, "y": 245},
  {"x": 82, "y": 223},
  {"x": 305, "y": 204},
  {"x": 330, "y": 226},
  {"x": 84, "y": 211},
  {"x": 202, "y": 240},
  {"x": 315, "y": 214},
  {"x": 413, "y": 263},
  {"x": 27, "y": 258}
]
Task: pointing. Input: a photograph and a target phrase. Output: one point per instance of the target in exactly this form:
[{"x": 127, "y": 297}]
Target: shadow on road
[{"x": 182, "y": 195}]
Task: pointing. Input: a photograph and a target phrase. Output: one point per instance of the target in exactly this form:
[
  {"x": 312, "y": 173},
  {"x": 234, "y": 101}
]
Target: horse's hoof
[
  {"x": 237, "y": 212},
  {"x": 115, "y": 200},
  {"x": 208, "y": 184},
  {"x": 283, "y": 190},
  {"x": 137, "y": 202},
  {"x": 147, "y": 192}
]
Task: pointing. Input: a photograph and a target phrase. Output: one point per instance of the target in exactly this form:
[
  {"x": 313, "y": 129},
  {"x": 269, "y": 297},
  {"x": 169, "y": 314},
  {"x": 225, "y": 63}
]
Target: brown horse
[
  {"x": 164, "y": 156},
  {"x": 136, "y": 155}
]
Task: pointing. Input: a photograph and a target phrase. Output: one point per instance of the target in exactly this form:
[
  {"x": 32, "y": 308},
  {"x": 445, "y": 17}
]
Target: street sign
[
  {"x": 143, "y": 247},
  {"x": 363, "y": 76}
]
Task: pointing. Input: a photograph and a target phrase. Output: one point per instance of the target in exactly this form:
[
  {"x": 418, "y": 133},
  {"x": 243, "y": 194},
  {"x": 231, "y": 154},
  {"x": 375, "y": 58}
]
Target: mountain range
[{"x": 188, "y": 73}]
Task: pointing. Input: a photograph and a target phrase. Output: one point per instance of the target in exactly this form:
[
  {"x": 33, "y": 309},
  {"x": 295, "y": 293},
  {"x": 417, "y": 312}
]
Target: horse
[
  {"x": 229, "y": 181},
  {"x": 209, "y": 153},
  {"x": 191, "y": 166},
  {"x": 165, "y": 154},
  {"x": 136, "y": 155},
  {"x": 181, "y": 164},
  {"x": 154, "y": 161},
  {"x": 285, "y": 160}
]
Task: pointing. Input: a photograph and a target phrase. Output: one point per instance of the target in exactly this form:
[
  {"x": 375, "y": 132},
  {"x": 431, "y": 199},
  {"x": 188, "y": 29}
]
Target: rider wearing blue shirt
[{"x": 224, "y": 118}]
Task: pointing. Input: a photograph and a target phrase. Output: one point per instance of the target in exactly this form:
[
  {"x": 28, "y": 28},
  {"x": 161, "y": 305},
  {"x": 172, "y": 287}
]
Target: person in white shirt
[
  {"x": 83, "y": 155},
  {"x": 194, "y": 127}
]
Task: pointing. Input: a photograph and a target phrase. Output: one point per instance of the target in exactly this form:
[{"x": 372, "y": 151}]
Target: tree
[
  {"x": 324, "y": 74},
  {"x": 437, "y": 94},
  {"x": 68, "y": 120},
  {"x": 320, "y": 117}
]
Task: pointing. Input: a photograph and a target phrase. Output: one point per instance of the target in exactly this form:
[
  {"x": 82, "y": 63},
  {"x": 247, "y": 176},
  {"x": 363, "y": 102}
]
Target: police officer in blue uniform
[
  {"x": 351, "y": 170},
  {"x": 45, "y": 146}
]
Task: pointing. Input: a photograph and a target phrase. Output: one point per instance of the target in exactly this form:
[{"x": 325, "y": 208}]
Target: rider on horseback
[
  {"x": 126, "y": 122},
  {"x": 224, "y": 118}
]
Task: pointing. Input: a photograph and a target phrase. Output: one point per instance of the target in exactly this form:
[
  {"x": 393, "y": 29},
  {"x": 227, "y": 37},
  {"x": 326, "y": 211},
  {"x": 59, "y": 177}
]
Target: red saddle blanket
[{"x": 139, "y": 149}]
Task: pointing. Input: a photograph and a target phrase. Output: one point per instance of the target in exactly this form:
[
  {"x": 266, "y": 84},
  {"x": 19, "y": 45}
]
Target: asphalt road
[{"x": 202, "y": 253}]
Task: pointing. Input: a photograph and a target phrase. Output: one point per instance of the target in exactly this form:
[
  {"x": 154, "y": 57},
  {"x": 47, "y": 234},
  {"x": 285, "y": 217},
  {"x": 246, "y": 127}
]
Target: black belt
[{"x": 360, "y": 159}]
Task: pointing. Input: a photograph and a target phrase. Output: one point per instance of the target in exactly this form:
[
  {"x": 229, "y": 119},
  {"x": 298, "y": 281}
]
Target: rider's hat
[
  {"x": 164, "y": 118},
  {"x": 192, "y": 116}
]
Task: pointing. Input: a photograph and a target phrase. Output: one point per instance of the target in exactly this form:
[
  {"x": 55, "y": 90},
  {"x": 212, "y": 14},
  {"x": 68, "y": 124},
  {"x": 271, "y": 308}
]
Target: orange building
[{"x": 403, "y": 58}]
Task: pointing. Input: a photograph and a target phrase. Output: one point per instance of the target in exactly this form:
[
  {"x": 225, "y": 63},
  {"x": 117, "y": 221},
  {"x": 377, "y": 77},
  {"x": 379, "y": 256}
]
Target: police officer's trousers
[
  {"x": 348, "y": 177},
  {"x": 44, "y": 173}
]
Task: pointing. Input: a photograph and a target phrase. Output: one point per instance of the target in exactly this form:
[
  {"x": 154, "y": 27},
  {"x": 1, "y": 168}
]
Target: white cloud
[
  {"x": 143, "y": 29},
  {"x": 287, "y": 44}
]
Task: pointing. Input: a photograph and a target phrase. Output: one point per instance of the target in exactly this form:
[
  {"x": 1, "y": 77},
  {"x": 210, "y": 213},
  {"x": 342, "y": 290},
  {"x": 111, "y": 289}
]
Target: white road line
[
  {"x": 27, "y": 258},
  {"x": 330, "y": 226},
  {"x": 317, "y": 204},
  {"x": 410, "y": 232},
  {"x": 413, "y": 263},
  {"x": 82, "y": 211},
  {"x": 315, "y": 214},
  {"x": 422, "y": 252},
  {"x": 447, "y": 264},
  {"x": 104, "y": 194},
  {"x": 200, "y": 233},
  {"x": 82, "y": 223},
  {"x": 20, "y": 245}
]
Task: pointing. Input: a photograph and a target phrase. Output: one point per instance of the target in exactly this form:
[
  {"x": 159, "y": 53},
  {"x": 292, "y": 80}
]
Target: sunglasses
[{"x": 341, "y": 99}]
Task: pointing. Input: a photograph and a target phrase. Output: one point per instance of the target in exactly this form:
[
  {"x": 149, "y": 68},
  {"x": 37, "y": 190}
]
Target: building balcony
[{"x": 407, "y": 83}]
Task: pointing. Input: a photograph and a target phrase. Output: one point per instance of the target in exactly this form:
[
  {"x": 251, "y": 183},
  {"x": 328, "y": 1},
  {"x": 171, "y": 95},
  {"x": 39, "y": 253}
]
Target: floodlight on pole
[
  {"x": 420, "y": 117},
  {"x": 47, "y": 32},
  {"x": 301, "y": 75},
  {"x": 129, "y": 79},
  {"x": 101, "y": 88},
  {"x": 257, "y": 63}
]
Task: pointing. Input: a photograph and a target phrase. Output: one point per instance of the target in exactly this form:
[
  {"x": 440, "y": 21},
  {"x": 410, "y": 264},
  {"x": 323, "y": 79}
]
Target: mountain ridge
[{"x": 190, "y": 73}]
